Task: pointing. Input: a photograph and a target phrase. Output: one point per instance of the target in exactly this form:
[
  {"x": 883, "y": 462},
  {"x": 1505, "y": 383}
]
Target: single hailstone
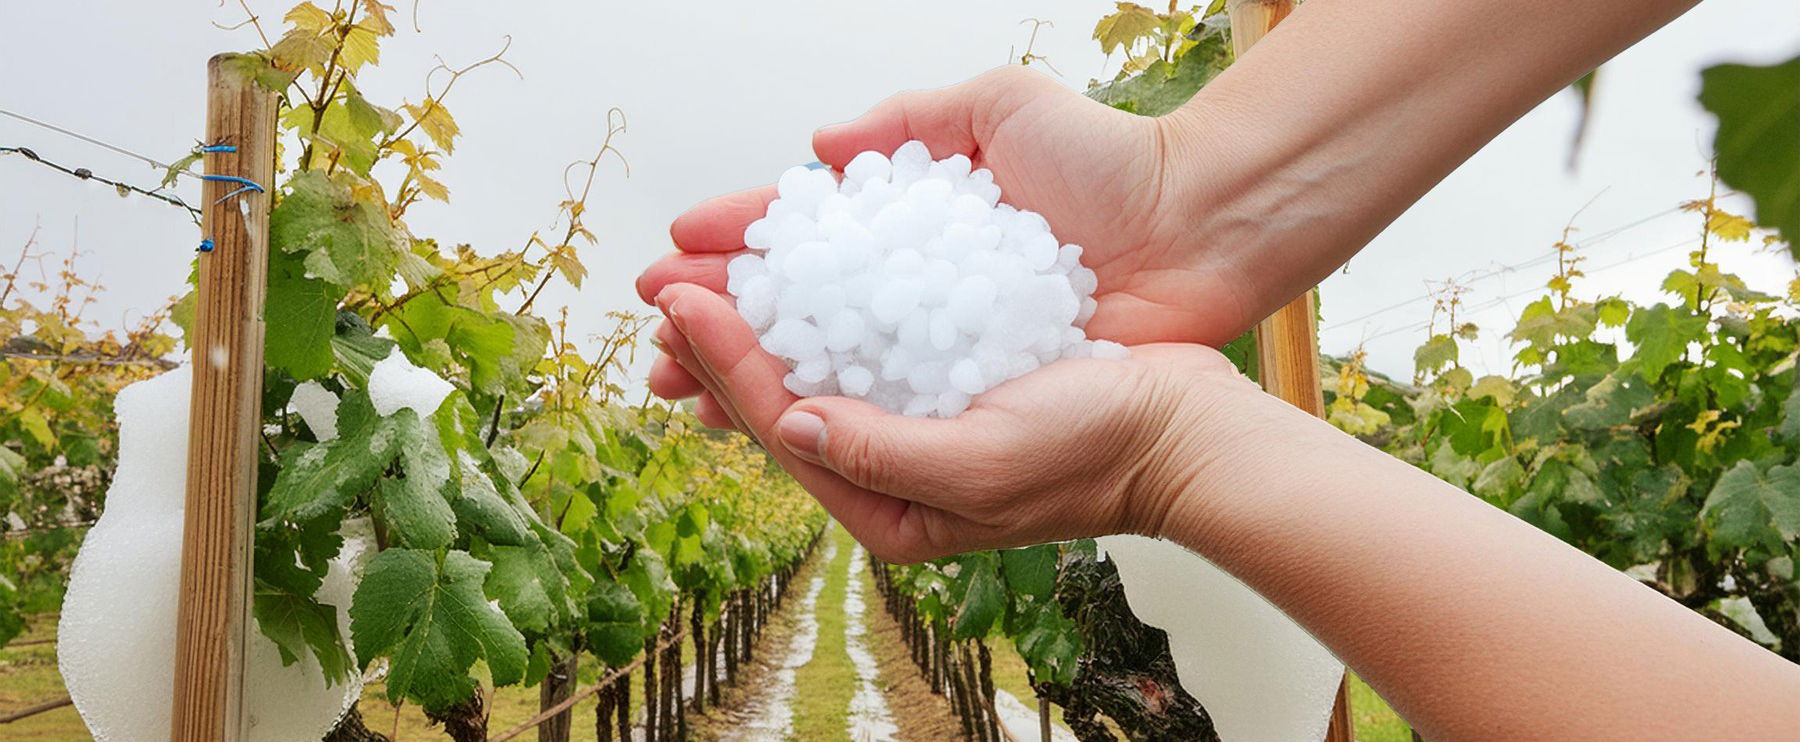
[
  {"x": 1259, "y": 675},
  {"x": 909, "y": 284},
  {"x": 317, "y": 407},
  {"x": 116, "y": 637},
  {"x": 396, "y": 384}
]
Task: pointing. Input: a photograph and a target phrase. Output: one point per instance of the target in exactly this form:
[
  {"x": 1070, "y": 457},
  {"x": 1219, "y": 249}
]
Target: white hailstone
[
  {"x": 396, "y": 384},
  {"x": 1110, "y": 349},
  {"x": 318, "y": 407},
  {"x": 909, "y": 284},
  {"x": 868, "y": 166},
  {"x": 741, "y": 269},
  {"x": 855, "y": 380}
]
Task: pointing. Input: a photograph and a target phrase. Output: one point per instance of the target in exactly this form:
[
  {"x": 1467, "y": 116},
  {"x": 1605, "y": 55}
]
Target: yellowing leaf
[
  {"x": 1712, "y": 430},
  {"x": 1498, "y": 387},
  {"x": 1356, "y": 418},
  {"x": 431, "y": 187},
  {"x": 299, "y": 50},
  {"x": 1728, "y": 227},
  {"x": 308, "y": 17},
  {"x": 436, "y": 122},
  {"x": 377, "y": 19},
  {"x": 1613, "y": 311},
  {"x": 569, "y": 265},
  {"x": 1123, "y": 28},
  {"x": 361, "y": 46},
  {"x": 1436, "y": 353}
]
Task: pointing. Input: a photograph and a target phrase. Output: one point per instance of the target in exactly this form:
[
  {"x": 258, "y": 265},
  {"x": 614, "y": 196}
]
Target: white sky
[{"x": 724, "y": 95}]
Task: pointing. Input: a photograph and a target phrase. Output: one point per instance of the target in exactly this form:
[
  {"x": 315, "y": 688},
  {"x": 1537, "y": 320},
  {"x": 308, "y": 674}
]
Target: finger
[
  {"x": 952, "y": 120},
  {"x": 932, "y": 461},
  {"x": 670, "y": 381},
  {"x": 718, "y": 225},
  {"x": 712, "y": 414},
  {"x": 747, "y": 380},
  {"x": 676, "y": 348},
  {"x": 700, "y": 269}
]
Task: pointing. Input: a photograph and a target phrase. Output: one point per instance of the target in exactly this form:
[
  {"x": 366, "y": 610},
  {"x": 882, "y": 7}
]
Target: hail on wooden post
[
  {"x": 227, "y": 342},
  {"x": 1287, "y": 342}
]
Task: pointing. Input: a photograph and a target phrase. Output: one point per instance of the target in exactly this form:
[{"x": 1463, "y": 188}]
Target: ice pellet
[
  {"x": 910, "y": 284},
  {"x": 396, "y": 384}
]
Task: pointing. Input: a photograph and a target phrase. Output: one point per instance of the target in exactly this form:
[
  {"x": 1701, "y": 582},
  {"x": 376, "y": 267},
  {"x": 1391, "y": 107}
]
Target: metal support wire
[{"x": 82, "y": 173}]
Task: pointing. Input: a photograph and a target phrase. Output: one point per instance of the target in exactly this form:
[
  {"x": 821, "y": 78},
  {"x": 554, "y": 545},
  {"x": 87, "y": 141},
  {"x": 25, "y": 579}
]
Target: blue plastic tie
[
  {"x": 248, "y": 185},
  {"x": 246, "y": 182},
  {"x": 218, "y": 148},
  {"x": 816, "y": 165},
  {"x": 206, "y": 245}
]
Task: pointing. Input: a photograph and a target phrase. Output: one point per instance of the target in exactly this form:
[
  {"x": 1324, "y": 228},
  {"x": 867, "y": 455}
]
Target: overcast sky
[{"x": 724, "y": 95}]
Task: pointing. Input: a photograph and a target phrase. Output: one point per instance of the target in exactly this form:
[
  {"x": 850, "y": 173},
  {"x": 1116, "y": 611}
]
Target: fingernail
[
  {"x": 667, "y": 303},
  {"x": 804, "y": 434}
]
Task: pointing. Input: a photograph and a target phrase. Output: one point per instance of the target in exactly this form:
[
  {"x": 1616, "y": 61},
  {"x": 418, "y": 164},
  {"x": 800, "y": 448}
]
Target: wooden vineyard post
[
  {"x": 1287, "y": 342},
  {"x": 227, "y": 343}
]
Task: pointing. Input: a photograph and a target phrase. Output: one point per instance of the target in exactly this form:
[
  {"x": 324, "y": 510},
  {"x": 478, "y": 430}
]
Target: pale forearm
[
  {"x": 1475, "y": 625},
  {"x": 1307, "y": 147}
]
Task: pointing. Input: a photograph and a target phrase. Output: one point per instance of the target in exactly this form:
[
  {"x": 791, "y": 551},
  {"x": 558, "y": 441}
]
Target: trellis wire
[
  {"x": 31, "y": 711},
  {"x": 1500, "y": 270},
  {"x": 153, "y": 162},
  {"x": 83, "y": 173},
  {"x": 1497, "y": 301}
]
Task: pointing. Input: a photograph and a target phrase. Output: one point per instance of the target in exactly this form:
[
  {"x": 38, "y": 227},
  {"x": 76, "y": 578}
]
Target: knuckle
[
  {"x": 894, "y": 554},
  {"x": 1012, "y": 74},
  {"x": 866, "y": 461}
]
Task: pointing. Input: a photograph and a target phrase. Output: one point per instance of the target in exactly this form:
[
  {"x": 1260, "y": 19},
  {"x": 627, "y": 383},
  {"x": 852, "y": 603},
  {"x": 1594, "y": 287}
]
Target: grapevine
[{"x": 533, "y": 516}]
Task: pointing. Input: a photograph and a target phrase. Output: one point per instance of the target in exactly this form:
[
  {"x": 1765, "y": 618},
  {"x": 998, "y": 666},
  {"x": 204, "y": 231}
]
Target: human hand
[
  {"x": 1103, "y": 178},
  {"x": 1078, "y": 448}
]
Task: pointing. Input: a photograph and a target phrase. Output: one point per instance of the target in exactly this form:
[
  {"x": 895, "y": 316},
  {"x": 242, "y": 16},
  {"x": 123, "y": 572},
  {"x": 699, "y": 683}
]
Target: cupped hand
[
  {"x": 1078, "y": 448},
  {"x": 1104, "y": 179}
]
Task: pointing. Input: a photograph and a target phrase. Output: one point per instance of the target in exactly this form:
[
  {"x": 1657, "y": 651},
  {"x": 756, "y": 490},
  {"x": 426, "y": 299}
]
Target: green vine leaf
[
  {"x": 984, "y": 598},
  {"x": 434, "y": 620},
  {"x": 326, "y": 477},
  {"x": 302, "y": 313},
  {"x": 299, "y": 625},
  {"x": 1163, "y": 87},
  {"x": 529, "y": 587},
  {"x": 1662, "y": 334},
  {"x": 1758, "y": 142},
  {"x": 616, "y": 626},
  {"x": 344, "y": 240},
  {"x": 483, "y": 509},
  {"x": 1031, "y": 570},
  {"x": 1751, "y": 508}
]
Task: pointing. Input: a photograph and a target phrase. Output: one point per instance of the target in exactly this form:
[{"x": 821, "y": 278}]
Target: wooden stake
[
  {"x": 225, "y": 411},
  {"x": 1287, "y": 342}
]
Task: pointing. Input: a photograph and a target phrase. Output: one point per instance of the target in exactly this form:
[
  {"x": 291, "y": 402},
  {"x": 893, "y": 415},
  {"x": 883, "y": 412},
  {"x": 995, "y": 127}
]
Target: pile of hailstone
[{"x": 909, "y": 284}]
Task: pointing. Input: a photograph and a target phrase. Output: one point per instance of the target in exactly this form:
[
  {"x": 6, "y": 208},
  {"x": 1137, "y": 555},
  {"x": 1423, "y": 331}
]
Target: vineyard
[{"x": 524, "y": 550}]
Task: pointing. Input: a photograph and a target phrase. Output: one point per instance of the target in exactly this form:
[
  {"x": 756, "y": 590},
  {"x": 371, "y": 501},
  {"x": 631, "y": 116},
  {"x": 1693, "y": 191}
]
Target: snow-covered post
[
  {"x": 1287, "y": 342},
  {"x": 227, "y": 342}
]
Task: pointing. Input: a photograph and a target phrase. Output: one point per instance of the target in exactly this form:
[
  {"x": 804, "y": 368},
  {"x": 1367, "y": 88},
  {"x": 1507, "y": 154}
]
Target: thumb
[
  {"x": 955, "y": 120},
  {"x": 920, "y": 459}
]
